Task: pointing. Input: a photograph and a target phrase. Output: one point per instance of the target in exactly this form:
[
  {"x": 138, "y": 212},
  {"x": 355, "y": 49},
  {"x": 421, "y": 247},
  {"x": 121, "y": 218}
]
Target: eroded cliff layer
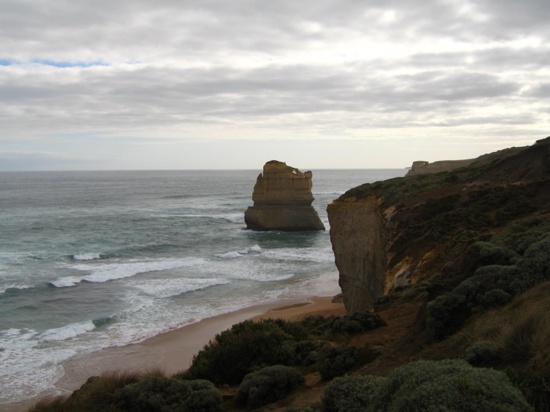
[
  {"x": 282, "y": 200},
  {"x": 392, "y": 234}
]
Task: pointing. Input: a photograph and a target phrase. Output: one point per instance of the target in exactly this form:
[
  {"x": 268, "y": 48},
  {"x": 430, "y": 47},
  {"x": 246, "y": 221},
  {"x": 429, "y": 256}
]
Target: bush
[
  {"x": 337, "y": 360},
  {"x": 306, "y": 353},
  {"x": 268, "y": 385},
  {"x": 491, "y": 285},
  {"x": 482, "y": 353},
  {"x": 342, "y": 325},
  {"x": 238, "y": 351},
  {"x": 96, "y": 395},
  {"x": 203, "y": 397},
  {"x": 350, "y": 393},
  {"x": 154, "y": 393},
  {"x": 158, "y": 393},
  {"x": 450, "y": 385}
]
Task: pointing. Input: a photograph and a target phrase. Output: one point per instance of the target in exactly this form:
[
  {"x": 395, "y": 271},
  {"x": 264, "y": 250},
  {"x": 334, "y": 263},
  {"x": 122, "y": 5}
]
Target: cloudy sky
[{"x": 216, "y": 84}]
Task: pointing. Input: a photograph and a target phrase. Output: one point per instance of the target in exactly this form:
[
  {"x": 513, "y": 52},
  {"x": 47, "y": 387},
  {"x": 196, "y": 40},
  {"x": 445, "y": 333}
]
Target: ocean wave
[
  {"x": 166, "y": 288},
  {"x": 240, "y": 253},
  {"x": 105, "y": 320},
  {"x": 229, "y": 255},
  {"x": 67, "y": 332},
  {"x": 86, "y": 256},
  {"x": 113, "y": 271},
  {"x": 301, "y": 255},
  {"x": 14, "y": 288}
]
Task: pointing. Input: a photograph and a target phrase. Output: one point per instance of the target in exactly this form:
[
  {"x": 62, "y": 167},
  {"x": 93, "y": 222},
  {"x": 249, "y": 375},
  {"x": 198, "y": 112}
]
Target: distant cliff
[
  {"x": 392, "y": 234},
  {"x": 422, "y": 167}
]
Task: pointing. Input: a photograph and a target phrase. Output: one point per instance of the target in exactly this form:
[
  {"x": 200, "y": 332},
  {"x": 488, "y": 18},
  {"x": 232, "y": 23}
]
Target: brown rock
[{"x": 282, "y": 200}]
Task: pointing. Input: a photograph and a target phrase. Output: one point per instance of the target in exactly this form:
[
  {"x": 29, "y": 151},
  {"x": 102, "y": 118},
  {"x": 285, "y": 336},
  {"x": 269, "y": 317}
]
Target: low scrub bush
[
  {"x": 96, "y": 395},
  {"x": 118, "y": 392},
  {"x": 158, "y": 393},
  {"x": 337, "y": 360},
  {"x": 268, "y": 385},
  {"x": 517, "y": 335},
  {"x": 306, "y": 352},
  {"x": 249, "y": 346},
  {"x": 238, "y": 351},
  {"x": 342, "y": 325},
  {"x": 483, "y": 353},
  {"x": 491, "y": 285},
  {"x": 450, "y": 385},
  {"x": 350, "y": 393}
]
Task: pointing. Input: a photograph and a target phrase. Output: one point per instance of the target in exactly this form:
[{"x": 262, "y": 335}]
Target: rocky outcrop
[
  {"x": 422, "y": 167},
  {"x": 282, "y": 200},
  {"x": 393, "y": 234}
]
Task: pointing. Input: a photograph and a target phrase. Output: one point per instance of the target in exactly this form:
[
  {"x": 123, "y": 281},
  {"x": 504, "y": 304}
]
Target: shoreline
[{"x": 173, "y": 351}]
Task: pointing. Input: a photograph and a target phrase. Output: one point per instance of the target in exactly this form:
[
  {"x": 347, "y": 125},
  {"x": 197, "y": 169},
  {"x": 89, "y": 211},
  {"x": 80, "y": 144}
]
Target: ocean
[{"x": 90, "y": 260}]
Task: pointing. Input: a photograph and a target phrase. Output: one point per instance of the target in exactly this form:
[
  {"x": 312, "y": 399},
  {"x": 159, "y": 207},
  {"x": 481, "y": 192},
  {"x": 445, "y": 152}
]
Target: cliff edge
[{"x": 393, "y": 234}]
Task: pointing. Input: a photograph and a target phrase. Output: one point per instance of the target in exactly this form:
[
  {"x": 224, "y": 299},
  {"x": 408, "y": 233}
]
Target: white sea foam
[
  {"x": 87, "y": 256},
  {"x": 67, "y": 332},
  {"x": 66, "y": 281},
  {"x": 165, "y": 288},
  {"x": 112, "y": 271},
  {"x": 26, "y": 370},
  {"x": 229, "y": 255},
  {"x": 13, "y": 287},
  {"x": 256, "y": 249}
]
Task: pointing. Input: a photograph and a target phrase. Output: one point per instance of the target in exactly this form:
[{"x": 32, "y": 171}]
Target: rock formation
[
  {"x": 393, "y": 234},
  {"x": 282, "y": 200},
  {"x": 422, "y": 167}
]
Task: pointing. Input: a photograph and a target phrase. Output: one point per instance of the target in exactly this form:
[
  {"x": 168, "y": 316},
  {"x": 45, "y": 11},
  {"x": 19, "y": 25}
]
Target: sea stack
[{"x": 282, "y": 200}]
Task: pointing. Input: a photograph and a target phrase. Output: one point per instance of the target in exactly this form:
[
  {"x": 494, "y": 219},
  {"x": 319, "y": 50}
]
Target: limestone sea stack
[{"x": 282, "y": 200}]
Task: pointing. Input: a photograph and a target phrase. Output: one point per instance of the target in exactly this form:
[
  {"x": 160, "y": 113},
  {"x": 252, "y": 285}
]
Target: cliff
[
  {"x": 421, "y": 167},
  {"x": 393, "y": 234},
  {"x": 282, "y": 200}
]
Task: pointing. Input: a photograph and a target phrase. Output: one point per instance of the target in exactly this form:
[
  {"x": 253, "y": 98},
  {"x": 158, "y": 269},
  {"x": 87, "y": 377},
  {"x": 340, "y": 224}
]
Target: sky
[{"x": 217, "y": 84}]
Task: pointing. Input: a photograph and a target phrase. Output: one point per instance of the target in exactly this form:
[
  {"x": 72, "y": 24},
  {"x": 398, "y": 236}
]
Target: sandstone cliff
[
  {"x": 282, "y": 200},
  {"x": 392, "y": 234}
]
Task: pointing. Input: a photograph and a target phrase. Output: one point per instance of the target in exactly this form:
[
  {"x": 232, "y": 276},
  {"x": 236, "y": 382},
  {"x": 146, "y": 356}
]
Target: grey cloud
[{"x": 167, "y": 37}]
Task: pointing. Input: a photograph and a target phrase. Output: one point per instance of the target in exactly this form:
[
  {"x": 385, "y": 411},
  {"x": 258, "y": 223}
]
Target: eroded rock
[{"x": 282, "y": 200}]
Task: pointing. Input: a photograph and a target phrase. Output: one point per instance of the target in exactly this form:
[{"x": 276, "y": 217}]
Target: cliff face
[
  {"x": 359, "y": 237},
  {"x": 392, "y": 234},
  {"x": 282, "y": 200}
]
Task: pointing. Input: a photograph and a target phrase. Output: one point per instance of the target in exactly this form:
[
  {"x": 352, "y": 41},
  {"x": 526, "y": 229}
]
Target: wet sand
[{"x": 173, "y": 351}]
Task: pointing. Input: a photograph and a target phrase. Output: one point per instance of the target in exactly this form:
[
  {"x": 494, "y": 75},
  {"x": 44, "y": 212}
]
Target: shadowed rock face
[{"x": 282, "y": 200}]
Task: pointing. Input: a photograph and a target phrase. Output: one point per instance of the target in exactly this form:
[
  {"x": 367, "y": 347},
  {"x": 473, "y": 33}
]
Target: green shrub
[
  {"x": 482, "y": 353},
  {"x": 158, "y": 393},
  {"x": 203, "y": 397},
  {"x": 154, "y": 393},
  {"x": 446, "y": 314},
  {"x": 268, "y": 385},
  {"x": 337, "y": 360},
  {"x": 450, "y": 385},
  {"x": 306, "y": 352},
  {"x": 342, "y": 325},
  {"x": 350, "y": 393},
  {"x": 238, "y": 351},
  {"x": 491, "y": 285},
  {"x": 96, "y": 395}
]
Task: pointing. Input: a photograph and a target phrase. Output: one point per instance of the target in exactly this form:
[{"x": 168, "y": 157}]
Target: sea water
[{"x": 90, "y": 260}]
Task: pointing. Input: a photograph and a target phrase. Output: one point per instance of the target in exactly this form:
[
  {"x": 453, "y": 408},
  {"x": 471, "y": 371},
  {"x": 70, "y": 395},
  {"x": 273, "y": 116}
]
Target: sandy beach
[{"x": 173, "y": 351}]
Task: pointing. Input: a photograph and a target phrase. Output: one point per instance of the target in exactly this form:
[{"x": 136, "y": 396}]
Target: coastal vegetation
[{"x": 470, "y": 330}]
